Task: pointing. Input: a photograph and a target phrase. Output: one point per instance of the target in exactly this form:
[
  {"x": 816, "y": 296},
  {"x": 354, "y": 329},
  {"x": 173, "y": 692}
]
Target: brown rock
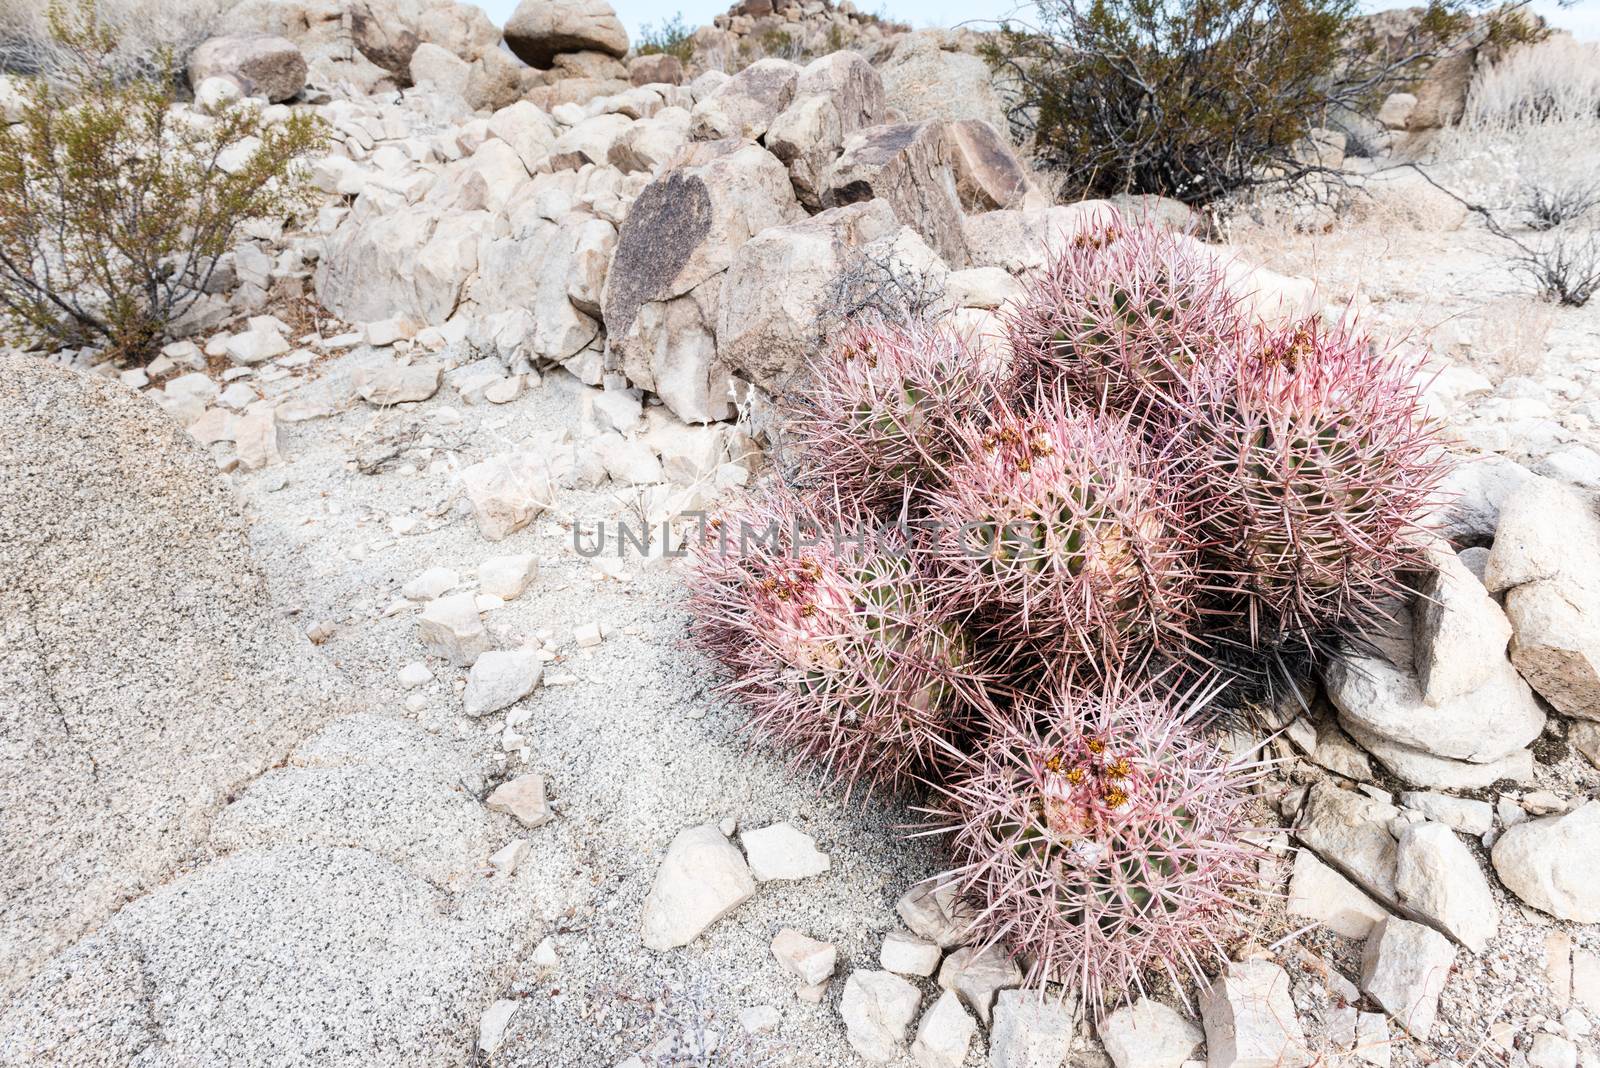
[
  {"x": 655, "y": 69},
  {"x": 261, "y": 65},
  {"x": 912, "y": 166},
  {"x": 988, "y": 173}
]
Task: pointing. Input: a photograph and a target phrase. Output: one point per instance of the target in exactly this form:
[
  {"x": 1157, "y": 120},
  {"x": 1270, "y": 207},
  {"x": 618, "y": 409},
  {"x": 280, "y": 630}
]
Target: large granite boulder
[
  {"x": 834, "y": 97},
  {"x": 926, "y": 78},
  {"x": 540, "y": 30},
  {"x": 680, "y": 236},
  {"x": 259, "y": 64},
  {"x": 145, "y": 676}
]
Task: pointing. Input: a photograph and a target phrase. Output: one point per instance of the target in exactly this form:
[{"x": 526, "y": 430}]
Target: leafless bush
[
  {"x": 142, "y": 28},
  {"x": 1551, "y": 203},
  {"x": 1512, "y": 332},
  {"x": 1556, "y": 80},
  {"x": 877, "y": 284}
]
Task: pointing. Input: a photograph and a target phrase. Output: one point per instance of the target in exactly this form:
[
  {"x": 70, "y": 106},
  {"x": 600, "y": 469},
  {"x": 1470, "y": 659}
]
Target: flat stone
[
  {"x": 810, "y": 960},
  {"x": 1250, "y": 1020},
  {"x": 1372, "y": 1038},
  {"x": 1489, "y": 722},
  {"x": 492, "y": 1027},
  {"x": 1403, "y": 969},
  {"x": 1461, "y": 813},
  {"x": 1148, "y": 1034},
  {"x": 702, "y": 878},
  {"x": 506, "y": 577},
  {"x": 782, "y": 851},
  {"x": 1552, "y": 1051},
  {"x": 1319, "y": 893},
  {"x": 760, "y": 1019},
  {"x": 499, "y": 679},
  {"x": 906, "y": 954},
  {"x": 1438, "y": 879},
  {"x": 450, "y": 628},
  {"x": 1350, "y": 832},
  {"x": 877, "y": 1008},
  {"x": 1417, "y": 768},
  {"x": 944, "y": 1034},
  {"x": 432, "y": 583},
  {"x": 978, "y": 974},
  {"x": 1553, "y": 863},
  {"x": 397, "y": 385},
  {"x": 1032, "y": 1029},
  {"x": 522, "y": 797}
]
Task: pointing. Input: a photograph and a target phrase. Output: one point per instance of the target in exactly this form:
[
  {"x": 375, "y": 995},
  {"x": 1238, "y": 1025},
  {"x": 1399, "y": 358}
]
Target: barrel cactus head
[
  {"x": 1314, "y": 467},
  {"x": 1121, "y": 317},
  {"x": 1056, "y": 534},
  {"x": 832, "y": 645},
  {"x": 1101, "y": 839},
  {"x": 884, "y": 403}
]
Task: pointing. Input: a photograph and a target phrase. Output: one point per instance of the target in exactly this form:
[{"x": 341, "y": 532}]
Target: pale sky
[{"x": 1582, "y": 19}]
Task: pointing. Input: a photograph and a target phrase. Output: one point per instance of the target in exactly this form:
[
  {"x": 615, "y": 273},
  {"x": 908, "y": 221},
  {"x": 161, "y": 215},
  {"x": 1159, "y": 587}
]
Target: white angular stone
[
  {"x": 1439, "y": 879},
  {"x": 432, "y": 583},
  {"x": 523, "y": 798},
  {"x": 877, "y": 1007},
  {"x": 397, "y": 385},
  {"x": 492, "y": 1027},
  {"x": 450, "y": 628},
  {"x": 1460, "y": 635},
  {"x": 507, "y": 576},
  {"x": 1148, "y": 1034},
  {"x": 415, "y": 674},
  {"x": 760, "y": 1019},
  {"x": 1372, "y": 1039},
  {"x": 1031, "y": 1029},
  {"x": 1403, "y": 968},
  {"x": 499, "y": 679},
  {"x": 508, "y": 492},
  {"x": 702, "y": 878},
  {"x": 1552, "y": 1051},
  {"x": 810, "y": 960},
  {"x": 1553, "y": 863},
  {"x": 1250, "y": 1020},
  {"x": 506, "y": 860},
  {"x": 906, "y": 954},
  {"x": 1319, "y": 893},
  {"x": 934, "y": 910},
  {"x": 1488, "y": 723},
  {"x": 943, "y": 1034},
  {"x": 256, "y": 346},
  {"x": 978, "y": 974},
  {"x": 782, "y": 851},
  {"x": 1462, "y": 813}
]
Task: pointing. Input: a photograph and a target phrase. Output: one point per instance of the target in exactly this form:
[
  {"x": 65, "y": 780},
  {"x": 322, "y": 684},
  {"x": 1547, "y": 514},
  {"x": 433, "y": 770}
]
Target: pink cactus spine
[
  {"x": 1120, "y": 318},
  {"x": 832, "y": 646},
  {"x": 1312, "y": 467},
  {"x": 1058, "y": 540},
  {"x": 879, "y": 416},
  {"x": 1101, "y": 839}
]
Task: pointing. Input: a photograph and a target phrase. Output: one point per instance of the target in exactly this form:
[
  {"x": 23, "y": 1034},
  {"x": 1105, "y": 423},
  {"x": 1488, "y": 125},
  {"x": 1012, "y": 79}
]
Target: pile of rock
[{"x": 787, "y": 29}]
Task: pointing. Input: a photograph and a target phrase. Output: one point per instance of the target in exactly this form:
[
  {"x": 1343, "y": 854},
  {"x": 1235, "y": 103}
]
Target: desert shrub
[
  {"x": 116, "y": 204},
  {"x": 1195, "y": 99},
  {"x": 1554, "y": 80},
  {"x": 1516, "y": 159},
  {"x": 141, "y": 30},
  {"x": 671, "y": 38},
  {"x": 1020, "y": 582}
]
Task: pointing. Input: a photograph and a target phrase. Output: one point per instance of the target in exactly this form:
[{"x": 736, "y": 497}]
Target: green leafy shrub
[
  {"x": 1195, "y": 99},
  {"x": 671, "y": 38},
  {"x": 116, "y": 203}
]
